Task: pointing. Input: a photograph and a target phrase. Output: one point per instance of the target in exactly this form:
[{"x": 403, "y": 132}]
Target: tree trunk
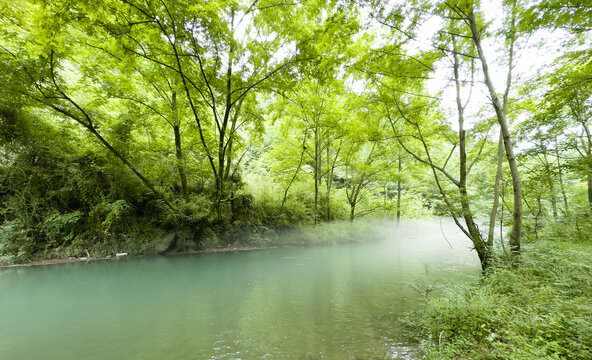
[
  {"x": 482, "y": 251},
  {"x": 178, "y": 149},
  {"x": 496, "y": 193},
  {"x": 296, "y": 172},
  {"x": 588, "y": 149},
  {"x": 330, "y": 172},
  {"x": 352, "y": 199},
  {"x": 501, "y": 222},
  {"x": 399, "y": 190},
  {"x": 552, "y": 195},
  {"x": 501, "y": 117},
  {"x": 537, "y": 216},
  {"x": 317, "y": 156},
  {"x": 180, "y": 167},
  {"x": 329, "y": 182},
  {"x": 590, "y": 190},
  {"x": 561, "y": 185},
  {"x": 146, "y": 182}
]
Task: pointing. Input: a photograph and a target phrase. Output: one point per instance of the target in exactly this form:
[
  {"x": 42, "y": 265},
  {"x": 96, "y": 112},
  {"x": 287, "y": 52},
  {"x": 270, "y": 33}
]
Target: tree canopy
[{"x": 125, "y": 118}]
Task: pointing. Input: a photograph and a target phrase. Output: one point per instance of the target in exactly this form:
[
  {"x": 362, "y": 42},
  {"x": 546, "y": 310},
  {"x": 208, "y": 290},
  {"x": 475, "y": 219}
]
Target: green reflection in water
[{"x": 336, "y": 302}]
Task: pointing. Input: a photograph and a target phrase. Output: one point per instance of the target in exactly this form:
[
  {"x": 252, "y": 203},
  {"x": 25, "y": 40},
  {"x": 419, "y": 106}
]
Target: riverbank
[
  {"x": 122, "y": 256},
  {"x": 540, "y": 310},
  {"x": 233, "y": 239}
]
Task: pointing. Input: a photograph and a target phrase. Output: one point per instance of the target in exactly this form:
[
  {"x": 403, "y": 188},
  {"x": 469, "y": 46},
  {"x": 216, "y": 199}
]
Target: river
[{"x": 324, "y": 302}]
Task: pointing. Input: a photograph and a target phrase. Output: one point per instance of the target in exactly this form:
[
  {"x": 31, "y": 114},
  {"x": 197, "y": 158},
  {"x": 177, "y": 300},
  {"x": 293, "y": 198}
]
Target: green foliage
[
  {"x": 576, "y": 227},
  {"x": 539, "y": 310},
  {"x": 122, "y": 118},
  {"x": 209, "y": 239},
  {"x": 268, "y": 201},
  {"x": 191, "y": 213},
  {"x": 57, "y": 201}
]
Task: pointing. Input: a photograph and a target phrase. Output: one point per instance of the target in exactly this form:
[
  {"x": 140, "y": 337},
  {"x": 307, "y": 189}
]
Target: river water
[{"x": 325, "y": 302}]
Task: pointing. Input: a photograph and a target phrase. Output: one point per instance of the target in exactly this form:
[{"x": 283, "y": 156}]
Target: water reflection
[{"x": 334, "y": 302}]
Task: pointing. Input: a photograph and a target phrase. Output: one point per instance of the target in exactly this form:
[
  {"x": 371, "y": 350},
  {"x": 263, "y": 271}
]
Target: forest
[
  {"x": 123, "y": 122},
  {"x": 172, "y": 126}
]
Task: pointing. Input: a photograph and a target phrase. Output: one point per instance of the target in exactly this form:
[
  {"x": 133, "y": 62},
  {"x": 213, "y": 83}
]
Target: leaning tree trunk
[
  {"x": 483, "y": 251},
  {"x": 500, "y": 111}
]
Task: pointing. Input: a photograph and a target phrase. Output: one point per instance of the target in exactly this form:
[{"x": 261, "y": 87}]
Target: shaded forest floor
[{"x": 540, "y": 310}]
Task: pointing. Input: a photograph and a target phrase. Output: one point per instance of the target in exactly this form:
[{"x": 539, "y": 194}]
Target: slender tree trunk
[
  {"x": 353, "y": 201},
  {"x": 352, "y": 197},
  {"x": 501, "y": 117},
  {"x": 537, "y": 216},
  {"x": 399, "y": 190},
  {"x": 317, "y": 156},
  {"x": 590, "y": 189},
  {"x": 230, "y": 141},
  {"x": 178, "y": 150},
  {"x": 330, "y": 172},
  {"x": 588, "y": 149},
  {"x": 296, "y": 172},
  {"x": 552, "y": 195},
  {"x": 501, "y": 222},
  {"x": 328, "y": 183},
  {"x": 561, "y": 185},
  {"x": 180, "y": 167},
  {"x": 496, "y": 192},
  {"x": 88, "y": 124},
  {"x": 146, "y": 182},
  {"x": 553, "y": 198},
  {"x": 482, "y": 251},
  {"x": 223, "y": 127},
  {"x": 589, "y": 153}
]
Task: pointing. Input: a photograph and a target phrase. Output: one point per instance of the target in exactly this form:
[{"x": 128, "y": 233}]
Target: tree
[
  {"x": 466, "y": 12},
  {"x": 316, "y": 108}
]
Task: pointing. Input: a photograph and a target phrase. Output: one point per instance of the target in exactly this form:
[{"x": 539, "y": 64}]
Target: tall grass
[{"x": 541, "y": 309}]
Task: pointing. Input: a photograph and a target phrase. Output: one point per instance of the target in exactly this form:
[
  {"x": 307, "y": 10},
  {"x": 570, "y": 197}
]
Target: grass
[{"x": 540, "y": 310}]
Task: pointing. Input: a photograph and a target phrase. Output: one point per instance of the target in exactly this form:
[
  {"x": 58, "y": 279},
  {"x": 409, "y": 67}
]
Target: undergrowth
[{"x": 540, "y": 310}]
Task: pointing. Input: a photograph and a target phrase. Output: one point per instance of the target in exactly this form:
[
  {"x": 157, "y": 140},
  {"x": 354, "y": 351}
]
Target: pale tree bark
[
  {"x": 501, "y": 112},
  {"x": 552, "y": 195},
  {"x": 496, "y": 192},
  {"x": 561, "y": 184},
  {"x": 400, "y": 162},
  {"x": 482, "y": 250},
  {"x": 470, "y": 229},
  {"x": 330, "y": 171},
  {"x": 317, "y": 171}
]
